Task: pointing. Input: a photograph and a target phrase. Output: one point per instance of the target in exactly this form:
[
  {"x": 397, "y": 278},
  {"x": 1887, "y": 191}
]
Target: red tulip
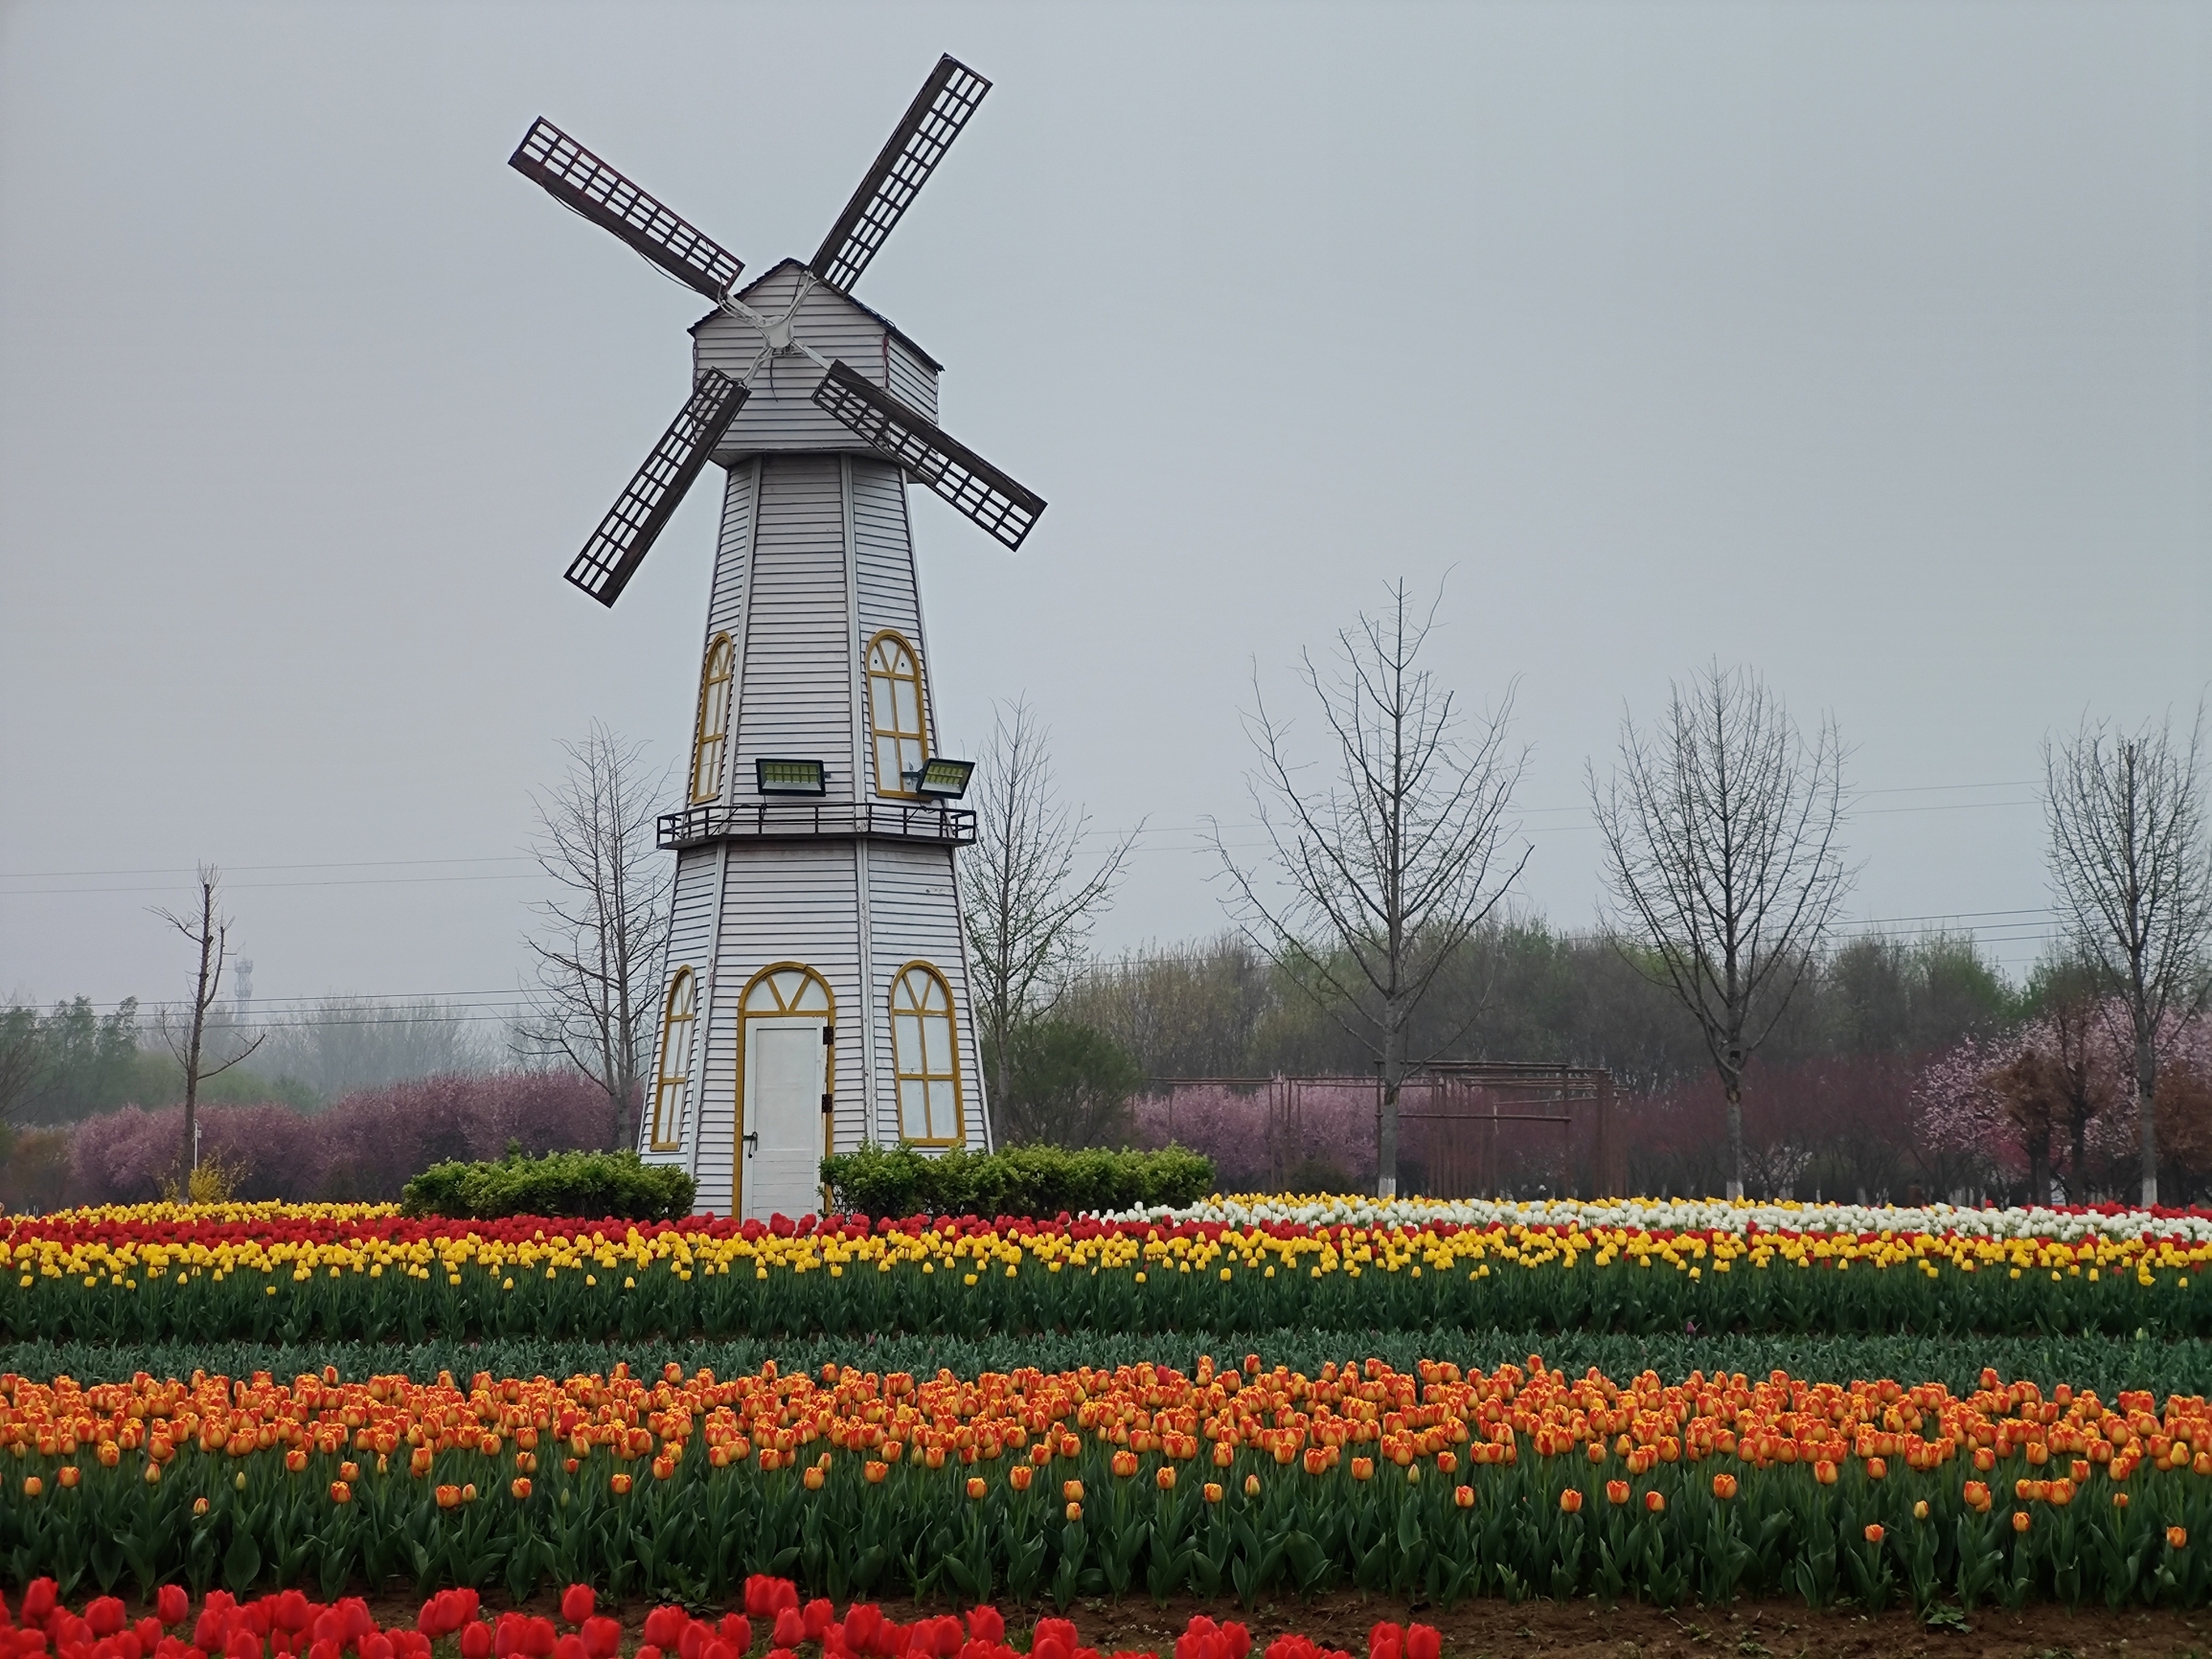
[
  {"x": 173, "y": 1603},
  {"x": 578, "y": 1603}
]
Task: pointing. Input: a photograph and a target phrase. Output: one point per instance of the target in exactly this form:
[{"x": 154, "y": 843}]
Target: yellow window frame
[
  {"x": 679, "y": 1024},
  {"x": 894, "y": 664},
  {"x": 912, "y": 1005},
  {"x": 710, "y": 735}
]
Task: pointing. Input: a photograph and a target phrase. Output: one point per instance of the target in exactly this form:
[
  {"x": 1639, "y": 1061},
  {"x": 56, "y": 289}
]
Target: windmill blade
[
  {"x": 948, "y": 467},
  {"x": 641, "y": 512},
  {"x": 576, "y": 178},
  {"x": 915, "y": 147}
]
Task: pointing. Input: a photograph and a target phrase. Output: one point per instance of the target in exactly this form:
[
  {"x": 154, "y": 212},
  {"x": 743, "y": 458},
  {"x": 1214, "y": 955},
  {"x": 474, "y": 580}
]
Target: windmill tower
[{"x": 817, "y": 986}]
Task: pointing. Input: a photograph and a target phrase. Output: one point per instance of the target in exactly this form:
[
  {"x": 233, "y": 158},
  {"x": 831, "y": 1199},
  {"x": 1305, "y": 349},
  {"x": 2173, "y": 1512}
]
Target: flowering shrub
[
  {"x": 365, "y": 1274},
  {"x": 364, "y": 1145},
  {"x": 1241, "y": 1481}
]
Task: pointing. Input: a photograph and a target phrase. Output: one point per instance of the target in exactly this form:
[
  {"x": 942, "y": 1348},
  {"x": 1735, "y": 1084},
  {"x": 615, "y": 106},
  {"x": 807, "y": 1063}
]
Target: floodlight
[
  {"x": 790, "y": 777},
  {"x": 940, "y": 779}
]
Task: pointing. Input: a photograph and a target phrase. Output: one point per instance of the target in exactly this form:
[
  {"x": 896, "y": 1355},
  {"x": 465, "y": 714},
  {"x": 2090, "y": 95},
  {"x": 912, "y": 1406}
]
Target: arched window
[
  {"x": 674, "y": 1075},
  {"x": 714, "y": 728},
  {"x": 895, "y": 713},
  {"x": 925, "y": 1054}
]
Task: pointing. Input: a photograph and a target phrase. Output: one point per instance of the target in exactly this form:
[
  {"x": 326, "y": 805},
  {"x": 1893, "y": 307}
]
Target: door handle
[{"x": 753, "y": 1142}]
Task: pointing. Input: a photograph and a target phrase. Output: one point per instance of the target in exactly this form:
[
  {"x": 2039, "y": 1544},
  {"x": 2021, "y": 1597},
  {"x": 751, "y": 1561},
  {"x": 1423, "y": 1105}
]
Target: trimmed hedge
[
  {"x": 586, "y": 1184},
  {"x": 1037, "y": 1181}
]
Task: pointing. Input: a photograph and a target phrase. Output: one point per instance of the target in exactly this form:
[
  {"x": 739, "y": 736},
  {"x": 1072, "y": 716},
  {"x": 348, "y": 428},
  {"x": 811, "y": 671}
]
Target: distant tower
[{"x": 818, "y": 993}]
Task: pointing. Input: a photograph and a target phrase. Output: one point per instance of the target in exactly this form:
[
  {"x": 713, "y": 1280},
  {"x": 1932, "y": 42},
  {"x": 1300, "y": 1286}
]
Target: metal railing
[{"x": 801, "y": 821}]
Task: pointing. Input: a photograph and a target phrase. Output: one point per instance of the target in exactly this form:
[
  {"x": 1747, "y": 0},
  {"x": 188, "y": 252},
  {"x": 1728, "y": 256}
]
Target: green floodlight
[
  {"x": 790, "y": 777},
  {"x": 941, "y": 780}
]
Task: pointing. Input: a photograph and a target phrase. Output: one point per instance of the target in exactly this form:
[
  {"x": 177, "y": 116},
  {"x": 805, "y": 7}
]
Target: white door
[{"x": 782, "y": 1144}]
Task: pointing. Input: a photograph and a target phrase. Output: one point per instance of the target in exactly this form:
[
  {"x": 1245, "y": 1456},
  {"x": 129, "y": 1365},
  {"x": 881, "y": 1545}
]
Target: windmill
[{"x": 817, "y": 986}]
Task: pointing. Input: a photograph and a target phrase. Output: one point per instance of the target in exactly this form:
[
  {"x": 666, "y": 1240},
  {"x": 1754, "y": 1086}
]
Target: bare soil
[{"x": 1492, "y": 1629}]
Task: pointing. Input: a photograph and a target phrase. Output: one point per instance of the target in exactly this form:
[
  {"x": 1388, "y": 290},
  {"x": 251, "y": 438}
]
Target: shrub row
[
  {"x": 586, "y": 1184},
  {"x": 1040, "y": 1181}
]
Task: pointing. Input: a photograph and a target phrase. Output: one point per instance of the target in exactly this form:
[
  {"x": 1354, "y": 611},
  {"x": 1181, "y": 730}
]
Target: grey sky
[{"x": 1865, "y": 344}]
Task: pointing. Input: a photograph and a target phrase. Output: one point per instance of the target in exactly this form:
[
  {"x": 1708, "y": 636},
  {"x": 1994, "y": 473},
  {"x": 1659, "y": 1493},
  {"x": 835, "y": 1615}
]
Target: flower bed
[
  {"x": 1433, "y": 1483},
  {"x": 275, "y": 1274},
  {"x": 288, "y": 1623}
]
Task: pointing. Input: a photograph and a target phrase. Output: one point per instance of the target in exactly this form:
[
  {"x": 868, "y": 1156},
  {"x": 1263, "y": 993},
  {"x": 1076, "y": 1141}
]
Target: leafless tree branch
[
  {"x": 210, "y": 932},
  {"x": 1377, "y": 877},
  {"x": 603, "y": 934},
  {"x": 1722, "y": 856},
  {"x": 1028, "y": 906},
  {"x": 2131, "y": 872}
]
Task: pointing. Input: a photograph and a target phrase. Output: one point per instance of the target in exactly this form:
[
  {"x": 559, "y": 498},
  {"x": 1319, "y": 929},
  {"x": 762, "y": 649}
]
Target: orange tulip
[
  {"x": 1616, "y": 1493},
  {"x": 1075, "y": 1512},
  {"x": 1920, "y": 1511},
  {"x": 1018, "y": 1477},
  {"x": 1876, "y": 1469},
  {"x": 341, "y": 1493},
  {"x": 2177, "y": 1538},
  {"x": 1363, "y": 1468},
  {"x": 975, "y": 1487},
  {"x": 518, "y": 1489},
  {"x": 1164, "y": 1478},
  {"x": 1655, "y": 1503},
  {"x": 813, "y": 1477},
  {"x": 1724, "y": 1487},
  {"x": 1874, "y": 1533},
  {"x": 1251, "y": 1486},
  {"x": 1571, "y": 1501},
  {"x": 66, "y": 1476},
  {"x": 619, "y": 1484},
  {"x": 1212, "y": 1491},
  {"x": 2022, "y": 1520},
  {"x": 33, "y": 1486},
  {"x": 875, "y": 1471},
  {"x": 1463, "y": 1497}
]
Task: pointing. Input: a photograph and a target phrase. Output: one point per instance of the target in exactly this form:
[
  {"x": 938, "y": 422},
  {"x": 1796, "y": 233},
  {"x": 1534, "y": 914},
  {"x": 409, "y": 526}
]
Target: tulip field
[
  {"x": 1036, "y": 1479},
  {"x": 456, "y": 1622},
  {"x": 271, "y": 1273}
]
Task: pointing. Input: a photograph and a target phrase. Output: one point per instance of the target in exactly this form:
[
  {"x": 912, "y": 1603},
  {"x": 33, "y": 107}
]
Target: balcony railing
[{"x": 803, "y": 821}]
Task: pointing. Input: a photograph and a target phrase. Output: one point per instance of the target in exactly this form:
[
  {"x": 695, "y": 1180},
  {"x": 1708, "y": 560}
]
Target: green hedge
[
  {"x": 586, "y": 1184},
  {"x": 1040, "y": 1181}
]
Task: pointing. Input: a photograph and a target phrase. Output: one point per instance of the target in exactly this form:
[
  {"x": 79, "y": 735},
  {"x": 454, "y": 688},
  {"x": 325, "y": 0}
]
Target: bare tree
[
  {"x": 1721, "y": 852},
  {"x": 1026, "y": 907},
  {"x": 2132, "y": 869},
  {"x": 603, "y": 937},
  {"x": 211, "y": 933},
  {"x": 1380, "y": 875}
]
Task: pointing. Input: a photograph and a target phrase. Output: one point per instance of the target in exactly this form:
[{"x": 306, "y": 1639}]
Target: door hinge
[
  {"x": 828, "y": 1035},
  {"x": 824, "y": 1105}
]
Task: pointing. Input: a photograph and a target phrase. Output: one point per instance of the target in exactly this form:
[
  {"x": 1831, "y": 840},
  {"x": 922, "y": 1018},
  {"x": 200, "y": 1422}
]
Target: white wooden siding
[
  {"x": 732, "y": 553},
  {"x": 914, "y": 910},
  {"x": 795, "y": 697},
  {"x": 782, "y": 902},
  {"x": 885, "y": 558},
  {"x": 911, "y": 379},
  {"x": 779, "y": 412}
]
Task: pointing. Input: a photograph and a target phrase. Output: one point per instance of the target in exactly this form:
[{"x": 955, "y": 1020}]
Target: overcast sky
[{"x": 1864, "y": 345}]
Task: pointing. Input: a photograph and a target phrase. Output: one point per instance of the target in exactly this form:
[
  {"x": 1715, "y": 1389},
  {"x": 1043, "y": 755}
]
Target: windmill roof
[{"x": 899, "y": 335}]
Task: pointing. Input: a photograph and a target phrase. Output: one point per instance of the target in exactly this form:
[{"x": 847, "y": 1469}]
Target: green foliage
[
  {"x": 584, "y": 1183},
  {"x": 1070, "y": 1087},
  {"x": 1040, "y": 1181},
  {"x": 70, "y": 1062},
  {"x": 2158, "y": 1368}
]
